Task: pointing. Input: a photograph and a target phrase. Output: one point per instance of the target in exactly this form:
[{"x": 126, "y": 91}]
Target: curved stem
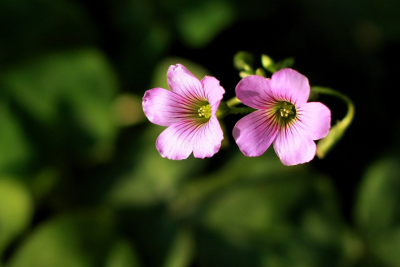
[
  {"x": 350, "y": 105},
  {"x": 337, "y": 131}
]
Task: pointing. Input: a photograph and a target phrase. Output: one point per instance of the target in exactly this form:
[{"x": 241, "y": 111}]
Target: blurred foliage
[
  {"x": 77, "y": 239},
  {"x": 14, "y": 146},
  {"x": 243, "y": 61},
  {"x": 377, "y": 212},
  {"x": 82, "y": 184},
  {"x": 16, "y": 210},
  {"x": 122, "y": 255},
  {"x": 57, "y": 92}
]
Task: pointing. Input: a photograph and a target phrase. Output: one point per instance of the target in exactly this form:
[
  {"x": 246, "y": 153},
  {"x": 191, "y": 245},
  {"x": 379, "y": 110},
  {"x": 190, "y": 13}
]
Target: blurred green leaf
[
  {"x": 377, "y": 206},
  {"x": 270, "y": 215},
  {"x": 268, "y": 63},
  {"x": 151, "y": 178},
  {"x": 70, "y": 94},
  {"x": 15, "y": 149},
  {"x": 181, "y": 250},
  {"x": 200, "y": 22},
  {"x": 260, "y": 72},
  {"x": 16, "y": 210},
  {"x": 153, "y": 230},
  {"x": 197, "y": 191},
  {"x": 78, "y": 239},
  {"x": 144, "y": 35},
  {"x": 44, "y": 182},
  {"x": 122, "y": 254},
  {"x": 377, "y": 212},
  {"x": 128, "y": 110},
  {"x": 243, "y": 60}
]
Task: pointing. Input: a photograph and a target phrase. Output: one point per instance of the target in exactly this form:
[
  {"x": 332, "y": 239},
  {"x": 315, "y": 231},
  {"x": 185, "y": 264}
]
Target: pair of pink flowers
[{"x": 283, "y": 116}]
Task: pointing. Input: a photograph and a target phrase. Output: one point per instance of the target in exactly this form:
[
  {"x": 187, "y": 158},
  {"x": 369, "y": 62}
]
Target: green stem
[
  {"x": 350, "y": 105},
  {"x": 337, "y": 131},
  {"x": 233, "y": 102}
]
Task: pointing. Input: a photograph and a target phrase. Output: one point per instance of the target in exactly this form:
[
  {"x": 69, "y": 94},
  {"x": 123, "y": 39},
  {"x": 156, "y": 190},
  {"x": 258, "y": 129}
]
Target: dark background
[{"x": 81, "y": 183}]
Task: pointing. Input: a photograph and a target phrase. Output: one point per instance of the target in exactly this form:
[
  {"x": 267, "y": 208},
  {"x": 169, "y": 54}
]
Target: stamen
[
  {"x": 285, "y": 112},
  {"x": 205, "y": 111}
]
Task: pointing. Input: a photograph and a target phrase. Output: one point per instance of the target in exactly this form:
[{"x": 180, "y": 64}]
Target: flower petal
[
  {"x": 294, "y": 146},
  {"x": 254, "y": 91},
  {"x": 254, "y": 133},
  {"x": 164, "y": 107},
  {"x": 208, "y": 139},
  {"x": 213, "y": 92},
  {"x": 289, "y": 85},
  {"x": 315, "y": 118},
  {"x": 176, "y": 142},
  {"x": 184, "y": 83}
]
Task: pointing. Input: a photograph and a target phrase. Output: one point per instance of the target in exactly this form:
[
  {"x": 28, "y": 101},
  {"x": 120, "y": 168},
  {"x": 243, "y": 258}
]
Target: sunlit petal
[
  {"x": 254, "y": 91},
  {"x": 184, "y": 83},
  {"x": 294, "y": 146},
  {"x": 254, "y": 133},
  {"x": 164, "y": 107},
  {"x": 213, "y": 92},
  {"x": 291, "y": 86},
  {"x": 315, "y": 118},
  {"x": 208, "y": 139}
]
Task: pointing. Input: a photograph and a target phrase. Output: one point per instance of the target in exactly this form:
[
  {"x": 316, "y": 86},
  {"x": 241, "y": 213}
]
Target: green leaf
[
  {"x": 128, "y": 110},
  {"x": 44, "y": 182},
  {"x": 378, "y": 198},
  {"x": 78, "y": 239},
  {"x": 15, "y": 149},
  {"x": 153, "y": 230},
  {"x": 269, "y": 215},
  {"x": 200, "y": 22},
  {"x": 69, "y": 95},
  {"x": 152, "y": 178},
  {"x": 243, "y": 60},
  {"x": 181, "y": 250},
  {"x": 377, "y": 211},
  {"x": 122, "y": 254},
  {"x": 16, "y": 210},
  {"x": 268, "y": 63},
  {"x": 260, "y": 72}
]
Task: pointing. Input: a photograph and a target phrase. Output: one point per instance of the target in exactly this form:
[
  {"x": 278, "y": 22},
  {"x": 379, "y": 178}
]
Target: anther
[{"x": 205, "y": 111}]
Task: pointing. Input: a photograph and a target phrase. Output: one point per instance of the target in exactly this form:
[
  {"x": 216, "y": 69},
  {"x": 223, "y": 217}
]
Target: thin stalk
[{"x": 338, "y": 130}]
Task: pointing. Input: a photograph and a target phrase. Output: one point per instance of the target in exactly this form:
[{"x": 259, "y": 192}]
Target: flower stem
[
  {"x": 350, "y": 105},
  {"x": 233, "y": 102},
  {"x": 337, "y": 131}
]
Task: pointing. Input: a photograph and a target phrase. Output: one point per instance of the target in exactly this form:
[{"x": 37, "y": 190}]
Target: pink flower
[
  {"x": 283, "y": 118},
  {"x": 189, "y": 112}
]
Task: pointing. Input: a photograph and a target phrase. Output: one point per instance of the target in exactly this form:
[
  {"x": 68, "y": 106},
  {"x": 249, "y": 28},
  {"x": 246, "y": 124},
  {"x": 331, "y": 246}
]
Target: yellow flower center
[
  {"x": 285, "y": 113},
  {"x": 286, "y": 110},
  {"x": 205, "y": 111}
]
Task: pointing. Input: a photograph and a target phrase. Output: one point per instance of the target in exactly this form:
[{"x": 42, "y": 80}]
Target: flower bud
[{"x": 268, "y": 63}]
